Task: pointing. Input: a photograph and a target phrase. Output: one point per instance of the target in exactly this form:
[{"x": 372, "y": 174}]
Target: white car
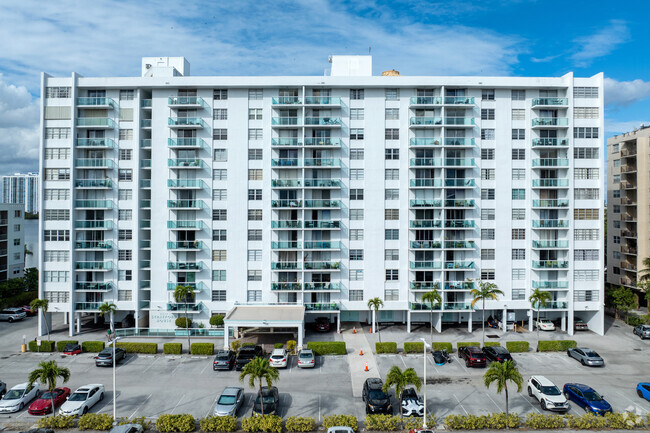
[
  {"x": 549, "y": 396},
  {"x": 279, "y": 358},
  {"x": 18, "y": 397},
  {"x": 82, "y": 400},
  {"x": 544, "y": 325}
]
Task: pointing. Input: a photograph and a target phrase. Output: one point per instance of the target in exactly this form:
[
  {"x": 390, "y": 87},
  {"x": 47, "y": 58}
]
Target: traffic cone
[
  {"x": 360, "y": 352},
  {"x": 354, "y": 330},
  {"x": 366, "y": 369},
  {"x": 371, "y": 329}
]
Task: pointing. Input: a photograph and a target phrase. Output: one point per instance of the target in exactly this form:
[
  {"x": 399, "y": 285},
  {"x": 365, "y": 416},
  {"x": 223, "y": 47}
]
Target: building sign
[{"x": 161, "y": 319}]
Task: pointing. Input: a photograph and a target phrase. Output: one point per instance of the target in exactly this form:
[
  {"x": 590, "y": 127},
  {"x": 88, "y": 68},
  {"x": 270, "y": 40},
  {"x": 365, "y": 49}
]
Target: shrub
[
  {"x": 492, "y": 344},
  {"x": 146, "y": 425},
  {"x": 517, "y": 346},
  {"x": 175, "y": 423},
  {"x": 588, "y": 421},
  {"x": 235, "y": 345},
  {"x": 328, "y": 347},
  {"x": 495, "y": 421},
  {"x": 202, "y": 349},
  {"x": 172, "y": 348},
  {"x": 216, "y": 320},
  {"x": 92, "y": 346},
  {"x": 300, "y": 424},
  {"x": 342, "y": 421},
  {"x": 278, "y": 346},
  {"x": 555, "y": 345},
  {"x": 413, "y": 422},
  {"x": 634, "y": 320},
  {"x": 467, "y": 343},
  {"x": 388, "y": 347},
  {"x": 442, "y": 346},
  {"x": 383, "y": 422},
  {"x": 150, "y": 348},
  {"x": 624, "y": 420},
  {"x": 46, "y": 346},
  {"x": 95, "y": 421},
  {"x": 266, "y": 423},
  {"x": 57, "y": 422},
  {"x": 180, "y": 322},
  {"x": 413, "y": 347},
  {"x": 247, "y": 344},
  {"x": 219, "y": 424},
  {"x": 291, "y": 346},
  {"x": 535, "y": 421},
  {"x": 60, "y": 345}
]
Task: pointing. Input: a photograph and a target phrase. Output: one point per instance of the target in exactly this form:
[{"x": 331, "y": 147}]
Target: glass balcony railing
[
  {"x": 551, "y": 101},
  {"x": 185, "y": 266},
  {"x": 186, "y": 204},
  {"x": 145, "y": 284},
  {"x": 425, "y": 224},
  {"x": 459, "y": 100},
  {"x": 145, "y": 204},
  {"x": 92, "y": 224},
  {"x": 425, "y": 141},
  {"x": 193, "y": 308},
  {"x": 424, "y": 285},
  {"x": 285, "y": 265},
  {"x": 322, "y": 121},
  {"x": 87, "y": 306},
  {"x": 322, "y": 100},
  {"x": 322, "y": 245},
  {"x": 550, "y": 162},
  {"x": 289, "y": 287},
  {"x": 459, "y": 141},
  {"x": 286, "y": 183},
  {"x": 425, "y": 264},
  {"x": 425, "y": 203},
  {"x": 93, "y": 287},
  {"x": 459, "y": 285},
  {"x": 323, "y": 203},
  {"x": 550, "y": 183},
  {"x": 323, "y": 141},
  {"x": 95, "y": 122},
  {"x": 145, "y": 183},
  {"x": 550, "y": 284},
  {"x": 426, "y": 244},
  {"x": 323, "y": 224},
  {"x": 95, "y": 102},
  {"x": 145, "y": 244},
  {"x": 97, "y": 204},
  {"x": 146, "y": 103},
  {"x": 93, "y": 245},
  {"x": 426, "y": 121},
  {"x": 426, "y": 100},
  {"x": 286, "y": 224},
  {"x": 285, "y": 162},
  {"x": 551, "y": 203},
  {"x": 286, "y": 141},
  {"x": 186, "y": 183},
  {"x": 555, "y": 305},
  {"x": 459, "y": 162},
  {"x": 286, "y": 245},
  {"x": 286, "y": 100},
  {"x": 185, "y": 163},
  {"x": 93, "y": 183},
  {"x": 286, "y": 203},
  {"x": 187, "y": 101},
  {"x": 460, "y": 203},
  {"x": 325, "y": 287},
  {"x": 145, "y": 123},
  {"x": 425, "y": 183},
  {"x": 456, "y": 245},
  {"x": 333, "y": 306},
  {"x": 185, "y": 245},
  {"x": 145, "y": 163},
  {"x": 550, "y": 264},
  {"x": 187, "y": 143},
  {"x": 460, "y": 183},
  {"x": 145, "y": 224},
  {"x": 186, "y": 122},
  {"x": 186, "y": 225},
  {"x": 197, "y": 287},
  {"x": 425, "y": 162},
  {"x": 550, "y": 142},
  {"x": 542, "y": 244},
  {"x": 460, "y": 224},
  {"x": 322, "y": 162},
  {"x": 145, "y": 264},
  {"x": 459, "y": 265},
  {"x": 94, "y": 163},
  {"x": 96, "y": 142},
  {"x": 94, "y": 266},
  {"x": 551, "y": 121},
  {"x": 320, "y": 265},
  {"x": 145, "y": 143},
  {"x": 322, "y": 183},
  {"x": 285, "y": 121},
  {"x": 459, "y": 121},
  {"x": 551, "y": 224},
  {"x": 423, "y": 306}
]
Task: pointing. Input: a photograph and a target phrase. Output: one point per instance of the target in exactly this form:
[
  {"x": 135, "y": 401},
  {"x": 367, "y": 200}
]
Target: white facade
[
  {"x": 21, "y": 189},
  {"x": 325, "y": 191},
  {"x": 12, "y": 241}
]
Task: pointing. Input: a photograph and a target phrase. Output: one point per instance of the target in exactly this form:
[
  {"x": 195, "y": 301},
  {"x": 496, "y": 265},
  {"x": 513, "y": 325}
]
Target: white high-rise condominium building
[
  {"x": 323, "y": 192},
  {"x": 22, "y": 189}
]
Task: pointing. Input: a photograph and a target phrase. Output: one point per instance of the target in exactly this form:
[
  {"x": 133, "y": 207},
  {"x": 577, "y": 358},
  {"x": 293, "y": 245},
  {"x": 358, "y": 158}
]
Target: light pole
[
  {"x": 113, "y": 342},
  {"x": 424, "y": 351}
]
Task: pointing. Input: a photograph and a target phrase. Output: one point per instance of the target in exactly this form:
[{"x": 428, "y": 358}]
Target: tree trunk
[
  {"x": 431, "y": 333},
  {"x": 187, "y": 328},
  {"x": 483, "y": 323},
  {"x": 378, "y": 330},
  {"x": 538, "y": 329},
  {"x": 505, "y": 386},
  {"x": 261, "y": 398},
  {"x": 52, "y": 398}
]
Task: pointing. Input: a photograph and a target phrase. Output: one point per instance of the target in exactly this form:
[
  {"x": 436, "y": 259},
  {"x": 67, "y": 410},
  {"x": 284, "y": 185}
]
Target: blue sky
[{"x": 508, "y": 37}]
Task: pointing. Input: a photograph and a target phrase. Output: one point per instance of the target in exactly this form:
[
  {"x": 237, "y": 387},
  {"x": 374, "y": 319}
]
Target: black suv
[
  {"x": 377, "y": 401},
  {"x": 225, "y": 360},
  {"x": 497, "y": 354},
  {"x": 270, "y": 398},
  {"x": 246, "y": 355}
]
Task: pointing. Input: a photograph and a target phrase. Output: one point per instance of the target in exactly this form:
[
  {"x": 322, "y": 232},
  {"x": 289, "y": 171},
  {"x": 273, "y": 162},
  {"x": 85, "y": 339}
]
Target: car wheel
[
  {"x": 11, "y": 320},
  {"x": 568, "y": 353},
  {"x": 21, "y": 406},
  {"x": 634, "y": 331},
  {"x": 639, "y": 393},
  {"x": 566, "y": 395},
  {"x": 466, "y": 363},
  {"x": 586, "y": 409},
  {"x": 543, "y": 405},
  {"x": 582, "y": 361},
  {"x": 101, "y": 396},
  {"x": 530, "y": 392},
  {"x": 85, "y": 411}
]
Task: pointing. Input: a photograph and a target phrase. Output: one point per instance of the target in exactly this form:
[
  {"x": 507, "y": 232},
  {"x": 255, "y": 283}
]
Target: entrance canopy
[{"x": 265, "y": 316}]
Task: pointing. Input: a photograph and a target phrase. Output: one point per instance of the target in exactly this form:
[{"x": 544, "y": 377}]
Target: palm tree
[
  {"x": 644, "y": 274},
  {"x": 375, "y": 304},
  {"x": 501, "y": 373},
  {"x": 41, "y": 305},
  {"x": 182, "y": 294},
  {"x": 485, "y": 290},
  {"x": 110, "y": 308},
  {"x": 47, "y": 374},
  {"x": 259, "y": 369},
  {"x": 399, "y": 380},
  {"x": 433, "y": 298},
  {"x": 538, "y": 300}
]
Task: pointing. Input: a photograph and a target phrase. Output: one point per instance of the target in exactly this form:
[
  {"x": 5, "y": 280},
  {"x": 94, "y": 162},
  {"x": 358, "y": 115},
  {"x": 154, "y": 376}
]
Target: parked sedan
[
  {"x": 643, "y": 331},
  {"x": 105, "y": 357},
  {"x": 43, "y": 404},
  {"x": 586, "y": 356},
  {"x": 28, "y": 311},
  {"x": 229, "y": 402},
  {"x": 279, "y": 358},
  {"x": 225, "y": 360},
  {"x": 18, "y": 397},
  {"x": 473, "y": 356},
  {"x": 580, "y": 325},
  {"x": 587, "y": 398},
  {"x": 82, "y": 400},
  {"x": 322, "y": 324},
  {"x": 306, "y": 359},
  {"x": 411, "y": 404},
  {"x": 497, "y": 354},
  {"x": 269, "y": 398},
  {"x": 544, "y": 325},
  {"x": 643, "y": 390},
  {"x": 72, "y": 349}
]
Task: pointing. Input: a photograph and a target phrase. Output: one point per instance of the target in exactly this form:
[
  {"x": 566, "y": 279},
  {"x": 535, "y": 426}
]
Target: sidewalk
[{"x": 357, "y": 363}]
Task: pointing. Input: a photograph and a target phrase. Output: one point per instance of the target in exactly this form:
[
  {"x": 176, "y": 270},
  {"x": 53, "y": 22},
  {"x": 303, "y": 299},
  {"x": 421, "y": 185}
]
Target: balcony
[
  {"x": 460, "y": 224},
  {"x": 186, "y": 143},
  {"x": 145, "y": 163},
  {"x": 94, "y": 143},
  {"x": 424, "y": 141},
  {"x": 286, "y": 245},
  {"x": 286, "y": 203},
  {"x": 186, "y": 184},
  {"x": 94, "y": 266},
  {"x": 460, "y": 183},
  {"x": 423, "y": 306},
  {"x": 101, "y": 163},
  {"x": 286, "y": 287},
  {"x": 93, "y": 183},
  {"x": 145, "y": 204},
  {"x": 286, "y": 142},
  {"x": 93, "y": 245},
  {"x": 286, "y": 100},
  {"x": 285, "y": 162},
  {"x": 286, "y": 224},
  {"x": 459, "y": 265},
  {"x": 189, "y": 163},
  {"x": 322, "y": 265},
  {"x": 628, "y": 185},
  {"x": 93, "y": 204},
  {"x": 334, "y": 306},
  {"x": 322, "y": 245},
  {"x": 323, "y": 121},
  {"x": 459, "y": 121},
  {"x": 93, "y": 287},
  {"x": 322, "y": 142},
  {"x": 185, "y": 245},
  {"x": 459, "y": 245},
  {"x": 555, "y": 305},
  {"x": 322, "y": 183},
  {"x": 425, "y": 203},
  {"x": 550, "y": 284},
  {"x": 322, "y": 162},
  {"x": 197, "y": 287},
  {"x": 145, "y": 264},
  {"x": 146, "y": 103},
  {"x": 550, "y": 244},
  {"x": 460, "y": 203},
  {"x": 145, "y": 123},
  {"x": 186, "y": 102},
  {"x": 189, "y": 307},
  {"x": 459, "y": 142},
  {"x": 145, "y": 224},
  {"x": 554, "y": 203},
  {"x": 186, "y": 204},
  {"x": 424, "y": 285},
  {"x": 145, "y": 244},
  {"x": 328, "y": 204},
  {"x": 87, "y": 306},
  {"x": 551, "y": 224},
  {"x": 85, "y": 102},
  {"x": 145, "y": 184},
  {"x": 631, "y": 251},
  {"x": 425, "y": 224},
  {"x": 93, "y": 225},
  {"x": 550, "y": 183},
  {"x": 425, "y": 264},
  {"x": 425, "y": 162},
  {"x": 322, "y": 100},
  {"x": 186, "y": 225},
  {"x": 459, "y": 162},
  {"x": 628, "y": 168},
  {"x": 629, "y": 234},
  {"x": 322, "y": 287},
  {"x": 323, "y": 224},
  {"x": 285, "y": 266},
  {"x": 550, "y": 162},
  {"x": 425, "y": 122},
  {"x": 459, "y": 285},
  {"x": 285, "y": 121},
  {"x": 425, "y": 245},
  {"x": 459, "y": 100},
  {"x": 185, "y": 266},
  {"x": 425, "y": 183},
  {"x": 425, "y": 100},
  {"x": 550, "y": 102},
  {"x": 186, "y": 122},
  {"x": 145, "y": 143},
  {"x": 628, "y": 266},
  {"x": 95, "y": 123},
  {"x": 550, "y": 122},
  {"x": 550, "y": 264},
  {"x": 550, "y": 142}
]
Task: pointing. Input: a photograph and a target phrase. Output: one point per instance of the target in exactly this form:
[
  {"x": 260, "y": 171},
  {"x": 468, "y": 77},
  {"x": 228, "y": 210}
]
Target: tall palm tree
[
  {"x": 41, "y": 305},
  {"x": 259, "y": 369},
  {"x": 502, "y": 373},
  {"x": 47, "y": 373},
  {"x": 433, "y": 298},
  {"x": 485, "y": 290},
  {"x": 183, "y": 294},
  {"x": 375, "y": 304},
  {"x": 399, "y": 380},
  {"x": 538, "y": 300},
  {"x": 108, "y": 308}
]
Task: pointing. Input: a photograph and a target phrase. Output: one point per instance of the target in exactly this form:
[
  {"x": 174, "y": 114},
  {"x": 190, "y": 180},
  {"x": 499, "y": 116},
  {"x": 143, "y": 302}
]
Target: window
[
  {"x": 356, "y": 174},
  {"x": 254, "y": 255},
  {"x": 518, "y": 194},
  {"x": 585, "y": 214},
  {"x": 218, "y": 296},
  {"x": 57, "y": 113},
  {"x": 392, "y": 275},
  {"x": 617, "y": 194},
  {"x": 57, "y": 215},
  {"x": 392, "y": 154},
  {"x": 356, "y": 113},
  {"x": 518, "y": 174},
  {"x": 392, "y": 113},
  {"x": 56, "y": 276},
  {"x": 391, "y": 255},
  {"x": 56, "y": 235},
  {"x": 588, "y": 193},
  {"x": 487, "y": 274},
  {"x": 356, "y": 194},
  {"x": 254, "y": 235},
  {"x": 356, "y": 94},
  {"x": 391, "y": 194},
  {"x": 125, "y": 275},
  {"x": 518, "y": 154},
  {"x": 586, "y": 173},
  {"x": 255, "y": 94},
  {"x": 356, "y": 295},
  {"x": 255, "y": 154},
  {"x": 617, "y": 163},
  {"x": 56, "y": 153},
  {"x": 391, "y": 234},
  {"x": 127, "y": 95},
  {"x": 356, "y": 133},
  {"x": 356, "y": 234},
  {"x": 487, "y": 174},
  {"x": 518, "y": 234},
  {"x": 356, "y": 154},
  {"x": 125, "y": 215},
  {"x": 57, "y": 92},
  {"x": 391, "y": 214},
  {"x": 219, "y": 194},
  {"x": 519, "y": 214},
  {"x": 219, "y": 214},
  {"x": 356, "y": 254},
  {"x": 586, "y": 234},
  {"x": 356, "y": 214},
  {"x": 586, "y": 255},
  {"x": 518, "y": 114},
  {"x": 487, "y": 134},
  {"x": 487, "y": 254},
  {"x": 487, "y": 214},
  {"x": 219, "y": 235},
  {"x": 518, "y": 95},
  {"x": 57, "y": 174},
  {"x": 487, "y": 113},
  {"x": 57, "y": 133},
  {"x": 617, "y": 208},
  {"x": 585, "y": 132},
  {"x": 254, "y": 275},
  {"x": 16, "y": 242},
  {"x": 518, "y": 134},
  {"x": 518, "y": 294},
  {"x": 126, "y": 134},
  {"x": 220, "y": 94},
  {"x": 585, "y": 153},
  {"x": 518, "y": 254},
  {"x": 356, "y": 274},
  {"x": 56, "y": 256},
  {"x": 125, "y": 234},
  {"x": 617, "y": 239},
  {"x": 254, "y": 214},
  {"x": 617, "y": 224},
  {"x": 220, "y": 134},
  {"x": 254, "y": 114},
  {"x": 487, "y": 94},
  {"x": 487, "y": 194},
  {"x": 518, "y": 274},
  {"x": 392, "y": 174},
  {"x": 585, "y": 92},
  {"x": 392, "y": 134},
  {"x": 125, "y": 194},
  {"x": 57, "y": 297},
  {"x": 219, "y": 275},
  {"x": 220, "y": 114},
  {"x": 391, "y": 294},
  {"x": 255, "y": 134},
  {"x": 585, "y": 112},
  {"x": 219, "y": 255},
  {"x": 56, "y": 194},
  {"x": 392, "y": 94},
  {"x": 585, "y": 275},
  {"x": 219, "y": 174},
  {"x": 487, "y": 154},
  {"x": 125, "y": 175},
  {"x": 487, "y": 234},
  {"x": 126, "y": 155},
  {"x": 255, "y": 194},
  {"x": 125, "y": 255}
]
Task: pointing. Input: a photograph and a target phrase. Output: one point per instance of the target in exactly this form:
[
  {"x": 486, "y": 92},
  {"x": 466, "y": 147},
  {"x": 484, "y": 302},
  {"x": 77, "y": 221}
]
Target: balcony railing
[
  {"x": 425, "y": 264},
  {"x": 93, "y": 287},
  {"x": 285, "y": 162},
  {"x": 322, "y": 183},
  {"x": 93, "y": 183},
  {"x": 322, "y": 100},
  {"x": 94, "y": 163},
  {"x": 292, "y": 287},
  {"x": 425, "y": 162},
  {"x": 424, "y": 285},
  {"x": 322, "y": 265},
  {"x": 192, "y": 308},
  {"x": 284, "y": 141},
  {"x": 550, "y": 162},
  {"x": 323, "y": 224},
  {"x": 459, "y": 162},
  {"x": 550, "y": 264},
  {"x": 550, "y": 142},
  {"x": 459, "y": 121},
  {"x": 185, "y": 163},
  {"x": 94, "y": 266},
  {"x": 426, "y": 121},
  {"x": 550, "y": 284},
  {"x": 187, "y": 143},
  {"x": 95, "y": 102},
  {"x": 286, "y": 245},
  {"x": 426, "y": 100},
  {"x": 334, "y": 306},
  {"x": 93, "y": 245},
  {"x": 550, "y": 244},
  {"x": 425, "y": 203},
  {"x": 425, "y": 183},
  {"x": 322, "y": 162},
  {"x": 185, "y": 266},
  {"x": 425, "y": 224},
  {"x": 322, "y": 121},
  {"x": 455, "y": 245},
  {"x": 459, "y": 265},
  {"x": 286, "y": 203},
  {"x": 551, "y": 224},
  {"x": 145, "y": 123},
  {"x": 286, "y": 224},
  {"x": 87, "y": 306},
  {"x": 554, "y": 305},
  {"x": 285, "y": 121},
  {"x": 426, "y": 244},
  {"x": 186, "y": 183},
  {"x": 286, "y": 100},
  {"x": 459, "y": 141},
  {"x": 551, "y": 203},
  {"x": 93, "y": 224},
  {"x": 550, "y": 121},
  {"x": 460, "y": 203},
  {"x": 323, "y": 141},
  {"x": 94, "y": 204},
  {"x": 96, "y": 143},
  {"x": 459, "y": 100},
  {"x": 145, "y": 143},
  {"x": 460, "y": 224},
  {"x": 187, "y": 101},
  {"x": 323, "y": 203},
  {"x": 550, "y": 101},
  {"x": 146, "y": 103},
  {"x": 145, "y": 163},
  {"x": 322, "y": 245},
  {"x": 285, "y": 265},
  {"x": 95, "y": 122},
  {"x": 425, "y": 141},
  {"x": 323, "y": 287},
  {"x": 186, "y": 225},
  {"x": 459, "y": 285},
  {"x": 459, "y": 183},
  {"x": 185, "y": 245},
  {"x": 197, "y": 287},
  {"x": 550, "y": 183},
  {"x": 186, "y": 122},
  {"x": 186, "y": 204}
]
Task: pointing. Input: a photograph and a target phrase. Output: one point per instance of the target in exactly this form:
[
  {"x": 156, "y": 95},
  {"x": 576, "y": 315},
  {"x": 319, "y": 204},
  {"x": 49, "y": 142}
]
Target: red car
[
  {"x": 43, "y": 404},
  {"x": 28, "y": 310},
  {"x": 473, "y": 356},
  {"x": 72, "y": 349}
]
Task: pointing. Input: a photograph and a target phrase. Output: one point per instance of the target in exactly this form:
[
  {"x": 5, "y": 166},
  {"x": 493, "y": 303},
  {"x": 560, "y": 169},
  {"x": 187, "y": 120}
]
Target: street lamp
[
  {"x": 114, "y": 343},
  {"x": 424, "y": 352}
]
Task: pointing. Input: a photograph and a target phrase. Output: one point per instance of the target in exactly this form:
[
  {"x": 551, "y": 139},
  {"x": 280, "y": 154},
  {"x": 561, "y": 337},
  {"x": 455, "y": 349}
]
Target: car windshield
[
  {"x": 550, "y": 390},
  {"x": 592, "y": 354},
  {"x": 592, "y": 396},
  {"x": 78, "y": 396},
  {"x": 48, "y": 395},
  {"x": 14, "y": 394},
  {"x": 227, "y": 399},
  {"x": 70, "y": 347},
  {"x": 375, "y": 394},
  {"x": 645, "y": 328},
  {"x": 222, "y": 357},
  {"x": 268, "y": 399}
]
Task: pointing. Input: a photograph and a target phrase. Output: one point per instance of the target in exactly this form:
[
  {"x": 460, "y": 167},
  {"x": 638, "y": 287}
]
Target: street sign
[{"x": 38, "y": 342}]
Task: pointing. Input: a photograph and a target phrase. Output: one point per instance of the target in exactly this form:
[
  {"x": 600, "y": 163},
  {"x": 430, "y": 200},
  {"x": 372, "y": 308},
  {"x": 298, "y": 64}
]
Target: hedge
[
  {"x": 219, "y": 424},
  {"x": 413, "y": 347},
  {"x": 60, "y": 345},
  {"x": 46, "y": 346},
  {"x": 388, "y": 347},
  {"x": 537, "y": 421},
  {"x": 95, "y": 421},
  {"x": 517, "y": 346},
  {"x": 442, "y": 346},
  {"x": 328, "y": 347},
  {"x": 202, "y": 349},
  {"x": 634, "y": 320},
  {"x": 495, "y": 421},
  {"x": 341, "y": 421},
  {"x": 57, "y": 422},
  {"x": 247, "y": 344},
  {"x": 92, "y": 346},
  {"x": 467, "y": 343},
  {"x": 175, "y": 423},
  {"x": 266, "y": 423},
  {"x": 492, "y": 344},
  {"x": 555, "y": 345},
  {"x": 151, "y": 348},
  {"x": 383, "y": 423},
  {"x": 300, "y": 424},
  {"x": 172, "y": 348},
  {"x": 278, "y": 346}
]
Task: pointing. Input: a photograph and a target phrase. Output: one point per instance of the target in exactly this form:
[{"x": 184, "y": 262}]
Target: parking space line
[
  {"x": 179, "y": 402},
  {"x": 631, "y": 401},
  {"x": 495, "y": 403},
  {"x": 461, "y": 364},
  {"x": 206, "y": 366},
  {"x": 460, "y": 404},
  {"x": 175, "y": 368},
  {"x": 140, "y": 405},
  {"x": 433, "y": 364},
  {"x": 214, "y": 402},
  {"x": 528, "y": 401},
  {"x": 402, "y": 359},
  {"x": 151, "y": 365}
]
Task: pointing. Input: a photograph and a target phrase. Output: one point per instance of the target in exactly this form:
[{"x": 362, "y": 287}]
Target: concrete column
[
  {"x": 226, "y": 331},
  {"x": 374, "y": 321},
  {"x": 570, "y": 322},
  {"x": 437, "y": 322},
  {"x": 65, "y": 318},
  {"x": 71, "y": 324},
  {"x": 408, "y": 322},
  {"x": 338, "y": 323},
  {"x": 95, "y": 315},
  {"x": 469, "y": 323},
  {"x": 530, "y": 320},
  {"x": 78, "y": 323},
  {"x": 301, "y": 330},
  {"x": 504, "y": 320},
  {"x": 563, "y": 322}
]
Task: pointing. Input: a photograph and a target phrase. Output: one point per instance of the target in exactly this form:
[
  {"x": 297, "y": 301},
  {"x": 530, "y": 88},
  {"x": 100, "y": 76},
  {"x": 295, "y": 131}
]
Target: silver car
[
  {"x": 586, "y": 356},
  {"x": 642, "y": 331},
  {"x": 12, "y": 314},
  {"x": 229, "y": 401},
  {"x": 306, "y": 359}
]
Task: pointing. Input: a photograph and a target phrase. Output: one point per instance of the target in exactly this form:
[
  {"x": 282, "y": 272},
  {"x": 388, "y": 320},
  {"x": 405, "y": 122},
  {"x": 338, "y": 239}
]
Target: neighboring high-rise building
[
  {"x": 22, "y": 189},
  {"x": 12, "y": 241},
  {"x": 322, "y": 192},
  {"x": 628, "y": 220}
]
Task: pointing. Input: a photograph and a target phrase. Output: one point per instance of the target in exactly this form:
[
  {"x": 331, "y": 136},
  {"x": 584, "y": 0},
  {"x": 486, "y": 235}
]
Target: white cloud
[
  {"x": 625, "y": 92},
  {"x": 615, "y": 127},
  {"x": 600, "y": 43},
  {"x": 18, "y": 129}
]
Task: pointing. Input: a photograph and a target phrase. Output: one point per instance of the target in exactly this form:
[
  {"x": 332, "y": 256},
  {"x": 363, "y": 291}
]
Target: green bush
[
  {"x": 388, "y": 347},
  {"x": 150, "y": 348},
  {"x": 219, "y": 424},
  {"x": 247, "y": 344},
  {"x": 383, "y": 423},
  {"x": 442, "y": 346},
  {"x": 517, "y": 346},
  {"x": 146, "y": 425},
  {"x": 634, "y": 320},
  {"x": 467, "y": 343},
  {"x": 175, "y": 423},
  {"x": 588, "y": 421},
  {"x": 413, "y": 422},
  {"x": 328, "y": 347},
  {"x": 291, "y": 346},
  {"x": 624, "y": 420},
  {"x": 46, "y": 346},
  {"x": 60, "y": 345},
  {"x": 413, "y": 347},
  {"x": 180, "y": 322},
  {"x": 266, "y": 423},
  {"x": 555, "y": 345},
  {"x": 535, "y": 421},
  {"x": 235, "y": 345},
  {"x": 492, "y": 344},
  {"x": 216, "y": 320},
  {"x": 92, "y": 346},
  {"x": 202, "y": 349},
  {"x": 278, "y": 346},
  {"x": 172, "y": 348},
  {"x": 57, "y": 422},
  {"x": 95, "y": 421},
  {"x": 300, "y": 424},
  {"x": 495, "y": 421},
  {"x": 342, "y": 421}
]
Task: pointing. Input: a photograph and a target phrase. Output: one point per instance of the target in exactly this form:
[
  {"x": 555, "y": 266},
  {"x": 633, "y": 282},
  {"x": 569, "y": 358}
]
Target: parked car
[
  {"x": 497, "y": 354},
  {"x": 229, "y": 401},
  {"x": 43, "y": 404},
  {"x": 82, "y": 400},
  {"x": 587, "y": 398},
  {"x": 323, "y": 324},
  {"x": 279, "y": 358},
  {"x": 269, "y": 398},
  {"x": 410, "y": 404},
  {"x": 306, "y": 359},
  {"x": 586, "y": 356},
  {"x": 3, "y": 388},
  {"x": 377, "y": 401},
  {"x": 340, "y": 429},
  {"x": 473, "y": 356},
  {"x": 28, "y": 311},
  {"x": 18, "y": 397},
  {"x": 225, "y": 360},
  {"x": 643, "y": 331},
  {"x": 12, "y": 314},
  {"x": 544, "y": 325},
  {"x": 72, "y": 349},
  {"x": 246, "y": 355},
  {"x": 105, "y": 357},
  {"x": 127, "y": 428},
  {"x": 580, "y": 325},
  {"x": 643, "y": 390},
  {"x": 548, "y": 395}
]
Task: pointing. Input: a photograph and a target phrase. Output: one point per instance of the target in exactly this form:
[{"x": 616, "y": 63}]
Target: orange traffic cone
[
  {"x": 366, "y": 369},
  {"x": 360, "y": 352},
  {"x": 354, "y": 330},
  {"x": 371, "y": 329}
]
